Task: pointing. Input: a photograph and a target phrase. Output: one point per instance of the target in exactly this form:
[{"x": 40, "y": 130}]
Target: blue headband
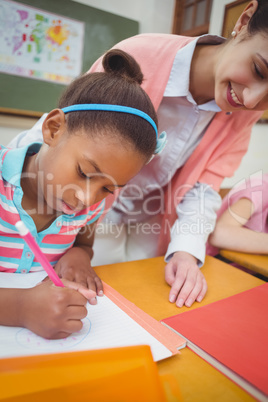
[{"x": 160, "y": 141}]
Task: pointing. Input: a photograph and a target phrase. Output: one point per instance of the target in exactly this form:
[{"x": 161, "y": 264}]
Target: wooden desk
[
  {"x": 142, "y": 282},
  {"x": 254, "y": 262}
]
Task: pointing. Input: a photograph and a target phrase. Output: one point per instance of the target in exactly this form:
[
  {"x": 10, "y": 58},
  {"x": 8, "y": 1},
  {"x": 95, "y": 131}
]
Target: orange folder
[
  {"x": 118, "y": 374},
  {"x": 172, "y": 341}
]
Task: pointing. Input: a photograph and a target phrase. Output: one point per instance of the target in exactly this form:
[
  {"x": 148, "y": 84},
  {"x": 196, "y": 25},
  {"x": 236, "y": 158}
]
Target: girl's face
[
  {"x": 241, "y": 74},
  {"x": 79, "y": 170}
]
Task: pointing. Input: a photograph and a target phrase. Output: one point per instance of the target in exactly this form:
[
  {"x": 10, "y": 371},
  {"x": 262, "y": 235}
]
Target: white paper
[{"x": 106, "y": 326}]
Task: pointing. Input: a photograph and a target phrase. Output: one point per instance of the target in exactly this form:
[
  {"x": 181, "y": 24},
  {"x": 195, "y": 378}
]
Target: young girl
[
  {"x": 208, "y": 93},
  {"x": 242, "y": 223},
  {"x": 101, "y": 135}
]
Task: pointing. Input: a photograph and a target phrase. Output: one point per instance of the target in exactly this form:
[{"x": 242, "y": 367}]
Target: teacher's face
[{"x": 241, "y": 74}]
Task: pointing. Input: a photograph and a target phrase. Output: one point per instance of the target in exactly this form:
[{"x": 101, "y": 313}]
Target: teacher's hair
[
  {"x": 259, "y": 20},
  {"x": 119, "y": 84}
]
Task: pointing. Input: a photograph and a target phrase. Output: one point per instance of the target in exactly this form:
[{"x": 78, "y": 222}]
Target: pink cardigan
[{"x": 225, "y": 142}]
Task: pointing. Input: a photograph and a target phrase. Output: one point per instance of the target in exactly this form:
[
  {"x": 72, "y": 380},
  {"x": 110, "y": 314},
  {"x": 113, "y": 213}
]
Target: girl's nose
[
  {"x": 255, "y": 97},
  {"x": 86, "y": 197}
]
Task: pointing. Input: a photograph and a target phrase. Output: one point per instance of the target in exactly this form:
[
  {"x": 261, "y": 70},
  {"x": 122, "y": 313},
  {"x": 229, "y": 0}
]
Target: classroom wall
[
  {"x": 152, "y": 15},
  {"x": 217, "y": 15},
  {"x": 157, "y": 16}
]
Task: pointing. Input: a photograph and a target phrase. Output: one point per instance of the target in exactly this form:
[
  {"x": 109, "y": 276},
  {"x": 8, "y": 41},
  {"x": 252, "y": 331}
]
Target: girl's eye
[
  {"x": 107, "y": 190},
  {"x": 258, "y": 71},
  {"x": 82, "y": 174}
]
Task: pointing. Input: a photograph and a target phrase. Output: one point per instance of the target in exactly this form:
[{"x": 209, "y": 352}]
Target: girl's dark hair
[
  {"x": 119, "y": 84},
  {"x": 259, "y": 20}
]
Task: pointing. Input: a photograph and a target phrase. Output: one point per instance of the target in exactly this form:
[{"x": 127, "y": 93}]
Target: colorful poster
[{"x": 37, "y": 44}]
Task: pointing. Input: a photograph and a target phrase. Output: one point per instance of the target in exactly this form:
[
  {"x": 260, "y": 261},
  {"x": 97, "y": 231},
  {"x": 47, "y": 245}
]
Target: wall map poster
[{"x": 37, "y": 44}]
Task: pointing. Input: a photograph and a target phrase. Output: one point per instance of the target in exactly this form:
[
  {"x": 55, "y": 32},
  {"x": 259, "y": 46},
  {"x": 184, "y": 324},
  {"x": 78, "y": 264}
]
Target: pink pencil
[{"x": 27, "y": 236}]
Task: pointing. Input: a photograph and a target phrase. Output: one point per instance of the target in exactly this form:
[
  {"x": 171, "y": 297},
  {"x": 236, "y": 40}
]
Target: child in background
[
  {"x": 242, "y": 223},
  {"x": 101, "y": 135}
]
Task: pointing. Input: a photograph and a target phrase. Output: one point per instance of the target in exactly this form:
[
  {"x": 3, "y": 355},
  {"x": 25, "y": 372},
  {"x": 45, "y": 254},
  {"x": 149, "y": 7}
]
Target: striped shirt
[{"x": 15, "y": 255}]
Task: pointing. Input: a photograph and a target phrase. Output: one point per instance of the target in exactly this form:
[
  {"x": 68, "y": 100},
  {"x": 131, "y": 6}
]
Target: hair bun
[{"x": 118, "y": 62}]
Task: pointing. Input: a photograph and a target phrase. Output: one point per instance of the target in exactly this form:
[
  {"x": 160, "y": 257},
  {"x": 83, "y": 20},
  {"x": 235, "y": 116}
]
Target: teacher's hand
[{"x": 187, "y": 282}]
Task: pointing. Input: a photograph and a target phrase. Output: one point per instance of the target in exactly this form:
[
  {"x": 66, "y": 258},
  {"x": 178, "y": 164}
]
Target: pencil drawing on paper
[{"x": 27, "y": 339}]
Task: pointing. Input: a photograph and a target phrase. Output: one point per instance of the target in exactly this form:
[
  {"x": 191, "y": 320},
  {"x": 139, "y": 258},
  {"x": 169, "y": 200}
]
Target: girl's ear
[
  {"x": 53, "y": 126},
  {"x": 246, "y": 15}
]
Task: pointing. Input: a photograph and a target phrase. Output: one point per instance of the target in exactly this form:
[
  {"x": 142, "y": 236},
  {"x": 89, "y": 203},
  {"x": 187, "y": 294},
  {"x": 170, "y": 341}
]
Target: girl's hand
[
  {"x": 75, "y": 266},
  {"x": 186, "y": 280},
  {"x": 50, "y": 311}
]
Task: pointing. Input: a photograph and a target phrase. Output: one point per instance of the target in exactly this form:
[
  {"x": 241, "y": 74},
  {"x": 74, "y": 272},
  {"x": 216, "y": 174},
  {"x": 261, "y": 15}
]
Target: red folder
[{"x": 232, "y": 335}]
